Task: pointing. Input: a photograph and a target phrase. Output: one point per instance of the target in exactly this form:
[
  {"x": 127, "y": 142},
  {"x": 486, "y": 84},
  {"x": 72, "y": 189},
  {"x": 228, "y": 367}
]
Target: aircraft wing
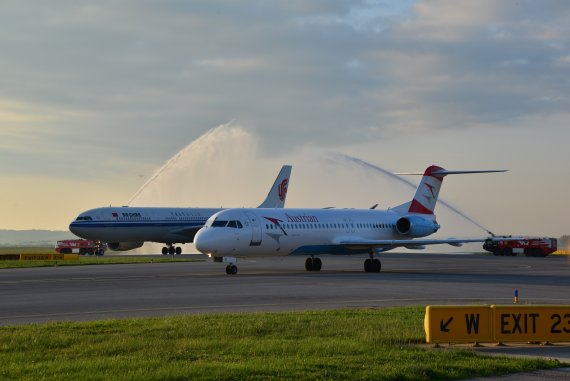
[{"x": 358, "y": 244}]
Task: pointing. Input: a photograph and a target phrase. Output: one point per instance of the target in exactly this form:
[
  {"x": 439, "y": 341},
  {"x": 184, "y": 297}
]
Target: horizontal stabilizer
[
  {"x": 428, "y": 190},
  {"x": 445, "y": 172}
]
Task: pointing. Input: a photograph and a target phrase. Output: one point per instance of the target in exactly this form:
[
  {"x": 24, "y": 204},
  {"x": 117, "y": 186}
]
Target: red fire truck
[
  {"x": 529, "y": 246},
  {"x": 80, "y": 246}
]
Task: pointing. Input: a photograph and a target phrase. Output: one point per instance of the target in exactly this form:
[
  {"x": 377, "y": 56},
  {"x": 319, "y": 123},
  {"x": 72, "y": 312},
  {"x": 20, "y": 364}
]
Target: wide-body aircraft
[
  {"x": 234, "y": 233},
  {"x": 126, "y": 228}
]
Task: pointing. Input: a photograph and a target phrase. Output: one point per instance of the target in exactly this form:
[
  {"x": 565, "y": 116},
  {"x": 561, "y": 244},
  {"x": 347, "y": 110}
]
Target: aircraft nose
[
  {"x": 79, "y": 230},
  {"x": 205, "y": 241},
  {"x": 73, "y": 228}
]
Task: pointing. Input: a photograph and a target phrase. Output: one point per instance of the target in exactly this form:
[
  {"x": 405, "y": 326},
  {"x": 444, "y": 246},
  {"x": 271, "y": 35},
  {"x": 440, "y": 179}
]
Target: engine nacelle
[
  {"x": 416, "y": 226},
  {"x": 124, "y": 246}
]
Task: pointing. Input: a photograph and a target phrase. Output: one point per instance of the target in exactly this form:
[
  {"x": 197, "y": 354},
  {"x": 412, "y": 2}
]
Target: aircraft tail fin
[
  {"x": 426, "y": 195},
  {"x": 278, "y": 192}
]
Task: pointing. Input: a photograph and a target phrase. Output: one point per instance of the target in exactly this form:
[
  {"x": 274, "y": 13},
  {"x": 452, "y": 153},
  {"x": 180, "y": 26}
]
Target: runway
[{"x": 75, "y": 293}]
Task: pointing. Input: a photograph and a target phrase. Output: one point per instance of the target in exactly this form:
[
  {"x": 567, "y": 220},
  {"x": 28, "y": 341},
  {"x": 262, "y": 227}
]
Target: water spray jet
[{"x": 363, "y": 164}]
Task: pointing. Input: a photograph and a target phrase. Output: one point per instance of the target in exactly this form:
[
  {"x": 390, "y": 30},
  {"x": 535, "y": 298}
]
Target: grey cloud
[{"x": 144, "y": 78}]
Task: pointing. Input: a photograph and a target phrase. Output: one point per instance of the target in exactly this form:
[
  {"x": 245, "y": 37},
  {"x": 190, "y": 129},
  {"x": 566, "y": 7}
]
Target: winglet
[{"x": 278, "y": 192}]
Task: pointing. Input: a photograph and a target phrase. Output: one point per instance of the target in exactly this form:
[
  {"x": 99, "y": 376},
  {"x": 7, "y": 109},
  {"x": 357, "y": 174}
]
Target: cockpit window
[
  {"x": 84, "y": 218},
  {"x": 235, "y": 224}
]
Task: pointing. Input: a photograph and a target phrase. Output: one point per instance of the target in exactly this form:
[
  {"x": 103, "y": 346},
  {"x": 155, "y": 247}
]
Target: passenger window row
[{"x": 331, "y": 226}]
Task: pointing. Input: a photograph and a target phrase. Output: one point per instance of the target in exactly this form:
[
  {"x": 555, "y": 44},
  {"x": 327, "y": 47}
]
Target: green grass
[
  {"x": 94, "y": 261},
  {"x": 368, "y": 344},
  {"x": 27, "y": 250},
  {"x": 83, "y": 260}
]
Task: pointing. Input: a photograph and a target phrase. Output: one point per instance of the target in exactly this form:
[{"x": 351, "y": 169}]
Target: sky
[{"x": 95, "y": 97}]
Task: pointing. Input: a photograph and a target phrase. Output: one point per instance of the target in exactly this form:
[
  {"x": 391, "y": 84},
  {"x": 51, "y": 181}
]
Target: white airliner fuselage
[
  {"x": 236, "y": 233},
  {"x": 127, "y": 228},
  {"x": 270, "y": 232}
]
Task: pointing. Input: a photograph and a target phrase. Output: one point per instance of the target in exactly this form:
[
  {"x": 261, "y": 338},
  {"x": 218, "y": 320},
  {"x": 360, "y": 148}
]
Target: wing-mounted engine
[
  {"x": 416, "y": 226},
  {"x": 124, "y": 246}
]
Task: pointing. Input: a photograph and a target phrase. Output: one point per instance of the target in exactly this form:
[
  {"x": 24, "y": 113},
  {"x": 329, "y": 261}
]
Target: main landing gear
[
  {"x": 313, "y": 264},
  {"x": 171, "y": 250},
  {"x": 372, "y": 265},
  {"x": 231, "y": 269}
]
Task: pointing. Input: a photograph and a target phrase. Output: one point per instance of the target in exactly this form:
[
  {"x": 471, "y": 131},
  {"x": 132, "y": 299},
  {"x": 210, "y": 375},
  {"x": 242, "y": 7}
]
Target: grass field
[
  {"x": 27, "y": 250},
  {"x": 366, "y": 344},
  {"x": 83, "y": 260}
]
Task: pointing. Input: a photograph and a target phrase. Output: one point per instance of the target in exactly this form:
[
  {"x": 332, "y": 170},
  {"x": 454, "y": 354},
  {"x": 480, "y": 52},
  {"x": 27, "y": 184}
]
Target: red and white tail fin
[{"x": 426, "y": 195}]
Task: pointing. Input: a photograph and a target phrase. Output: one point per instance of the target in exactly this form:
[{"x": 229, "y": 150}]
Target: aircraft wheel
[
  {"x": 376, "y": 265},
  {"x": 309, "y": 264},
  {"x": 231, "y": 269},
  {"x": 368, "y": 265},
  {"x": 164, "y": 250},
  {"x": 317, "y": 264},
  {"x": 178, "y": 250},
  {"x": 171, "y": 250}
]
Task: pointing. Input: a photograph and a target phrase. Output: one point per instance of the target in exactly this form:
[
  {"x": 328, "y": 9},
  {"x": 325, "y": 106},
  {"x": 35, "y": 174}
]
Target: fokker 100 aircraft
[
  {"x": 126, "y": 228},
  {"x": 236, "y": 233}
]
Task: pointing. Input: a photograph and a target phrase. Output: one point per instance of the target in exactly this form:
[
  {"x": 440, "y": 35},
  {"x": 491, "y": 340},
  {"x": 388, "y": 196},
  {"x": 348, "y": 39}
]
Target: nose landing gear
[{"x": 231, "y": 269}]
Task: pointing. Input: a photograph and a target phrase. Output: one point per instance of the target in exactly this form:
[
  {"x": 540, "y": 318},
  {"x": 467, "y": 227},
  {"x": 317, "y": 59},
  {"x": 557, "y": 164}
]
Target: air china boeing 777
[
  {"x": 126, "y": 228},
  {"x": 236, "y": 233}
]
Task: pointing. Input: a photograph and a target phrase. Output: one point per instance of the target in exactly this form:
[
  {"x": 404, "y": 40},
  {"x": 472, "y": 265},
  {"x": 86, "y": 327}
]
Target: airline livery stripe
[{"x": 119, "y": 224}]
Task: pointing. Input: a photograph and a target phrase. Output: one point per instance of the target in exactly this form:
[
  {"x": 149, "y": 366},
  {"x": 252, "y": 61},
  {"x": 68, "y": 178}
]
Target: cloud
[
  {"x": 230, "y": 64},
  {"x": 139, "y": 79}
]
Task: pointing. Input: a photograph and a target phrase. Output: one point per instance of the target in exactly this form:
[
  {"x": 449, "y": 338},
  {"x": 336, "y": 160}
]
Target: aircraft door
[
  {"x": 255, "y": 229},
  {"x": 349, "y": 225}
]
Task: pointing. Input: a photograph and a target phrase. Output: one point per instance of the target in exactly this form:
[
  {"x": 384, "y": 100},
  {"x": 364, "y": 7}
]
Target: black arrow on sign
[{"x": 443, "y": 327}]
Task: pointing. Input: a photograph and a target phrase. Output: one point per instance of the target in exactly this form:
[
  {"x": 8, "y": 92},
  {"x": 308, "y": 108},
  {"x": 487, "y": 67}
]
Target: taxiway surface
[{"x": 276, "y": 284}]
